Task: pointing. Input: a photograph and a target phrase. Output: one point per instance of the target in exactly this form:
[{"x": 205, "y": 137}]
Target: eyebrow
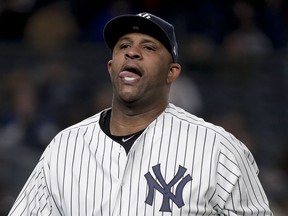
[{"x": 143, "y": 40}]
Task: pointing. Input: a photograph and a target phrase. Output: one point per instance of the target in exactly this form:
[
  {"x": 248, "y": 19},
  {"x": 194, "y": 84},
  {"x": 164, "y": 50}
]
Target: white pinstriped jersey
[{"x": 180, "y": 165}]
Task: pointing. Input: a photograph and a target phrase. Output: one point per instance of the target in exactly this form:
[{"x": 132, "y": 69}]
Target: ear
[
  {"x": 174, "y": 72},
  {"x": 109, "y": 66}
]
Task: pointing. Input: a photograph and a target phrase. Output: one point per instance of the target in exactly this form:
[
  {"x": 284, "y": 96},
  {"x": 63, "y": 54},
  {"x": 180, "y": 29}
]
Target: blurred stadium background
[{"x": 53, "y": 74}]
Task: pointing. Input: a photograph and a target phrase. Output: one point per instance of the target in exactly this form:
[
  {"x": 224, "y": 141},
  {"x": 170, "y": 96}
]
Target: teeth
[{"x": 129, "y": 78}]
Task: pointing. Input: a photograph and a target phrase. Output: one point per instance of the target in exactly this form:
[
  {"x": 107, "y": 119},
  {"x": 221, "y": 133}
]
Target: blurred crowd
[{"x": 53, "y": 74}]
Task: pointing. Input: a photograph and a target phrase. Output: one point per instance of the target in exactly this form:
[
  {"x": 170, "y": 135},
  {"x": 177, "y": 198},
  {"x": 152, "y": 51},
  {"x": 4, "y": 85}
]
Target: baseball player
[{"x": 144, "y": 155}]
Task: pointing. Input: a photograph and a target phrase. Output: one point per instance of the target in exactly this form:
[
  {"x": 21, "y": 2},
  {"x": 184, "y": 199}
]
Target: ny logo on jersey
[{"x": 165, "y": 189}]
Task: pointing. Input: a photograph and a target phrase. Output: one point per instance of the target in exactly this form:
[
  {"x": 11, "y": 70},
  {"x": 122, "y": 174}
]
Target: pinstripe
[
  {"x": 240, "y": 195},
  {"x": 139, "y": 176},
  {"x": 176, "y": 153},
  {"x": 118, "y": 176},
  {"x": 168, "y": 149},
  {"x": 80, "y": 173},
  {"x": 77, "y": 144},
  {"x": 185, "y": 152},
  {"x": 232, "y": 202},
  {"x": 33, "y": 209},
  {"x": 194, "y": 152},
  {"x": 120, "y": 208},
  {"x": 102, "y": 169},
  {"x": 177, "y": 148},
  {"x": 209, "y": 139},
  {"x": 84, "y": 172},
  {"x": 161, "y": 138},
  {"x": 43, "y": 207},
  {"x": 210, "y": 168},
  {"x": 118, "y": 165},
  {"x": 111, "y": 184},
  {"x": 201, "y": 170},
  {"x": 96, "y": 171},
  {"x": 94, "y": 194},
  {"x": 127, "y": 200},
  {"x": 57, "y": 171},
  {"x": 64, "y": 167},
  {"x": 247, "y": 203},
  {"x": 72, "y": 179}
]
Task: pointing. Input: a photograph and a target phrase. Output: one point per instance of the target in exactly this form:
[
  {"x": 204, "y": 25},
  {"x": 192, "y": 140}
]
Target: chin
[
  {"x": 129, "y": 101},
  {"x": 128, "y": 96}
]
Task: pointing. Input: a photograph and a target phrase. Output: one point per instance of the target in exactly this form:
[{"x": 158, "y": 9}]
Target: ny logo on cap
[
  {"x": 145, "y": 15},
  {"x": 165, "y": 189}
]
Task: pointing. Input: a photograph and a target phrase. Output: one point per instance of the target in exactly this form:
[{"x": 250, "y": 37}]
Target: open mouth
[
  {"x": 130, "y": 75},
  {"x": 133, "y": 70}
]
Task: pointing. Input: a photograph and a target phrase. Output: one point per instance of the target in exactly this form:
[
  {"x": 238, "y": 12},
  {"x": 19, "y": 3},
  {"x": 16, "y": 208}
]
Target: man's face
[{"x": 141, "y": 69}]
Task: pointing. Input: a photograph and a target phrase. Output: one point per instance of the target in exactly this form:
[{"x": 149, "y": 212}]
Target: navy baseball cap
[{"x": 145, "y": 23}]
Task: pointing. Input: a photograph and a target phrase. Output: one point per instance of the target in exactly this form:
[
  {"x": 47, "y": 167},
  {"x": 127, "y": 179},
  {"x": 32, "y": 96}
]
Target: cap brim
[{"x": 122, "y": 25}]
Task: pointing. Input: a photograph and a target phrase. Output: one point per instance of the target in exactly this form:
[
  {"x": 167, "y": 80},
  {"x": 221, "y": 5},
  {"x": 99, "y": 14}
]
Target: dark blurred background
[{"x": 53, "y": 74}]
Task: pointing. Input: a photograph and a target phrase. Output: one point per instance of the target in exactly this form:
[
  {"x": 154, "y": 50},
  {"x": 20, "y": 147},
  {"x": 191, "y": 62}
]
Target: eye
[
  {"x": 124, "y": 45},
  {"x": 149, "y": 48}
]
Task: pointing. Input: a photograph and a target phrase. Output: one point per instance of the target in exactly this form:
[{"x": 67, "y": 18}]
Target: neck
[{"x": 129, "y": 119}]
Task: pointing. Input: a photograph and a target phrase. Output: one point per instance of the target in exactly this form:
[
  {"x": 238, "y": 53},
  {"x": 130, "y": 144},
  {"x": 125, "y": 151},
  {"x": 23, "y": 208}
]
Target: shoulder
[
  {"x": 183, "y": 116},
  {"x": 79, "y": 132},
  {"x": 226, "y": 142},
  {"x": 82, "y": 125}
]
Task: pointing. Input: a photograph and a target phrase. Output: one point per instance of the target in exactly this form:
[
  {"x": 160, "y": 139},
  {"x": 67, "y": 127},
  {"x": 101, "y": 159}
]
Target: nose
[{"x": 133, "y": 53}]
